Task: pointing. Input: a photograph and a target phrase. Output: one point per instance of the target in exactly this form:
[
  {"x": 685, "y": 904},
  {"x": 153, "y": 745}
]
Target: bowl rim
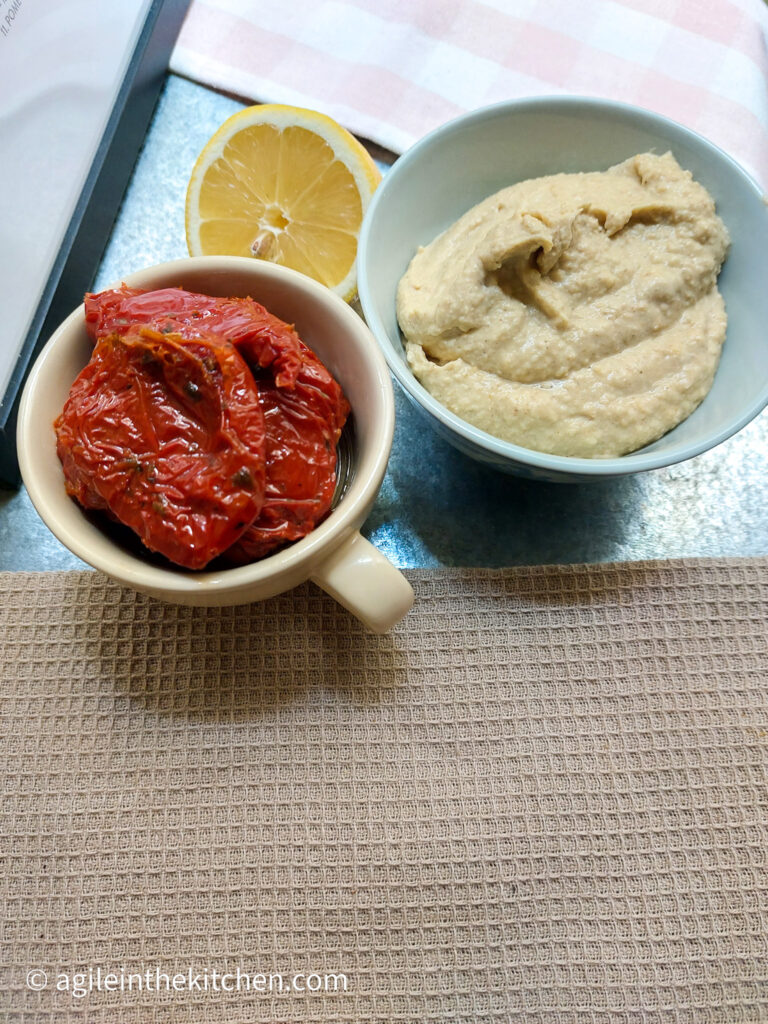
[
  {"x": 305, "y": 553},
  {"x": 633, "y": 462}
]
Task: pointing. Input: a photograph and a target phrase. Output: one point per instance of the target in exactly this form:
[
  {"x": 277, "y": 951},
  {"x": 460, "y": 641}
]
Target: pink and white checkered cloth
[{"x": 391, "y": 70}]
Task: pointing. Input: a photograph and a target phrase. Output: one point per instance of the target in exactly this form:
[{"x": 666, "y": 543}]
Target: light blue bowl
[{"x": 468, "y": 159}]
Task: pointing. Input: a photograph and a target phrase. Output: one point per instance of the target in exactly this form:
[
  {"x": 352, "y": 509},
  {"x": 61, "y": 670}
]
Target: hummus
[{"x": 576, "y": 314}]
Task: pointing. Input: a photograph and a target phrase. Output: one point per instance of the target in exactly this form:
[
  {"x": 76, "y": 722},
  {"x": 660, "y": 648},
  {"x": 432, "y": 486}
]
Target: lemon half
[{"x": 284, "y": 184}]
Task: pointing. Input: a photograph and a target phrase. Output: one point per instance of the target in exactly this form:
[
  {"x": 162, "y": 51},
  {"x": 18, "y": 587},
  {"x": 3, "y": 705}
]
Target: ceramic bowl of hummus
[{"x": 571, "y": 288}]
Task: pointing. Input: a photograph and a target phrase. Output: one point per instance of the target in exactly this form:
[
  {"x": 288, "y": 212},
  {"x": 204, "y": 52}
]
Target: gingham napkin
[{"x": 391, "y": 70}]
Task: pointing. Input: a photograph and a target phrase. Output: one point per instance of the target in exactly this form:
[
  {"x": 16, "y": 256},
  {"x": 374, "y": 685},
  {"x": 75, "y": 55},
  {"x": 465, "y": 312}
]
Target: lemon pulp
[{"x": 284, "y": 184}]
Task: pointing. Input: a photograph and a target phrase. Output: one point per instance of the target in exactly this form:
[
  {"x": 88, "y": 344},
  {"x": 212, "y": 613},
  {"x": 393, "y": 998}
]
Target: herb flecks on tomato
[
  {"x": 171, "y": 467},
  {"x": 301, "y": 406},
  {"x": 303, "y": 426},
  {"x": 262, "y": 339}
]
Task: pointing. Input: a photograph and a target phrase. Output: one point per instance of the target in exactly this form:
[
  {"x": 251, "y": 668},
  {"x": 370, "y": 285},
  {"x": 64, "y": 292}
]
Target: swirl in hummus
[{"x": 576, "y": 314}]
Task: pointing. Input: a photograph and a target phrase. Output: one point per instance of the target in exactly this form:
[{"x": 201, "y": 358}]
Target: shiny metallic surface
[
  {"x": 439, "y": 507},
  {"x": 345, "y": 461},
  {"x": 436, "y": 506}
]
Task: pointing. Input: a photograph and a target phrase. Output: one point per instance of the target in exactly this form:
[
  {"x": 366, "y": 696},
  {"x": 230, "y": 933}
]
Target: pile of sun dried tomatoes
[{"x": 204, "y": 424}]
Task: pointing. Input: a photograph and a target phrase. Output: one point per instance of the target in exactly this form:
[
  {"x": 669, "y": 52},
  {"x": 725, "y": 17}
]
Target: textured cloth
[
  {"x": 542, "y": 798},
  {"x": 391, "y": 70}
]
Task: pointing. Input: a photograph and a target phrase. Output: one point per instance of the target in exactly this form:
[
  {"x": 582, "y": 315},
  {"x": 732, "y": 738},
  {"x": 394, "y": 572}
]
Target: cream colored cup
[{"x": 334, "y": 555}]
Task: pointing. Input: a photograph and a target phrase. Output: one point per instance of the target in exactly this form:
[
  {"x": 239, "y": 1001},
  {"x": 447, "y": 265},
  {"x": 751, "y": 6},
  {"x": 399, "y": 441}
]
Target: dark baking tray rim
[{"x": 89, "y": 229}]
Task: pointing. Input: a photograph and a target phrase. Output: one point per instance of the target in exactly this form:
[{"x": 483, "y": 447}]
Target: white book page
[{"x": 61, "y": 66}]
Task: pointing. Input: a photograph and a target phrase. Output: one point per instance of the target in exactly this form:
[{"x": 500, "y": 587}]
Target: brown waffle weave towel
[{"x": 542, "y": 798}]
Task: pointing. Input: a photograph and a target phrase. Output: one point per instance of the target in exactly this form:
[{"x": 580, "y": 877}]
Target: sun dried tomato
[
  {"x": 303, "y": 426},
  {"x": 261, "y": 338},
  {"x": 168, "y": 435},
  {"x": 304, "y": 407}
]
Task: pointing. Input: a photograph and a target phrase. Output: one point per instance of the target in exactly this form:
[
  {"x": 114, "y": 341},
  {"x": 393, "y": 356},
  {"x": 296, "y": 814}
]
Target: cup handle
[{"x": 366, "y": 583}]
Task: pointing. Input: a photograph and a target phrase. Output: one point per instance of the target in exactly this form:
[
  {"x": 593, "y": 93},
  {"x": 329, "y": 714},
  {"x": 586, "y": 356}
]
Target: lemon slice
[{"x": 283, "y": 184}]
